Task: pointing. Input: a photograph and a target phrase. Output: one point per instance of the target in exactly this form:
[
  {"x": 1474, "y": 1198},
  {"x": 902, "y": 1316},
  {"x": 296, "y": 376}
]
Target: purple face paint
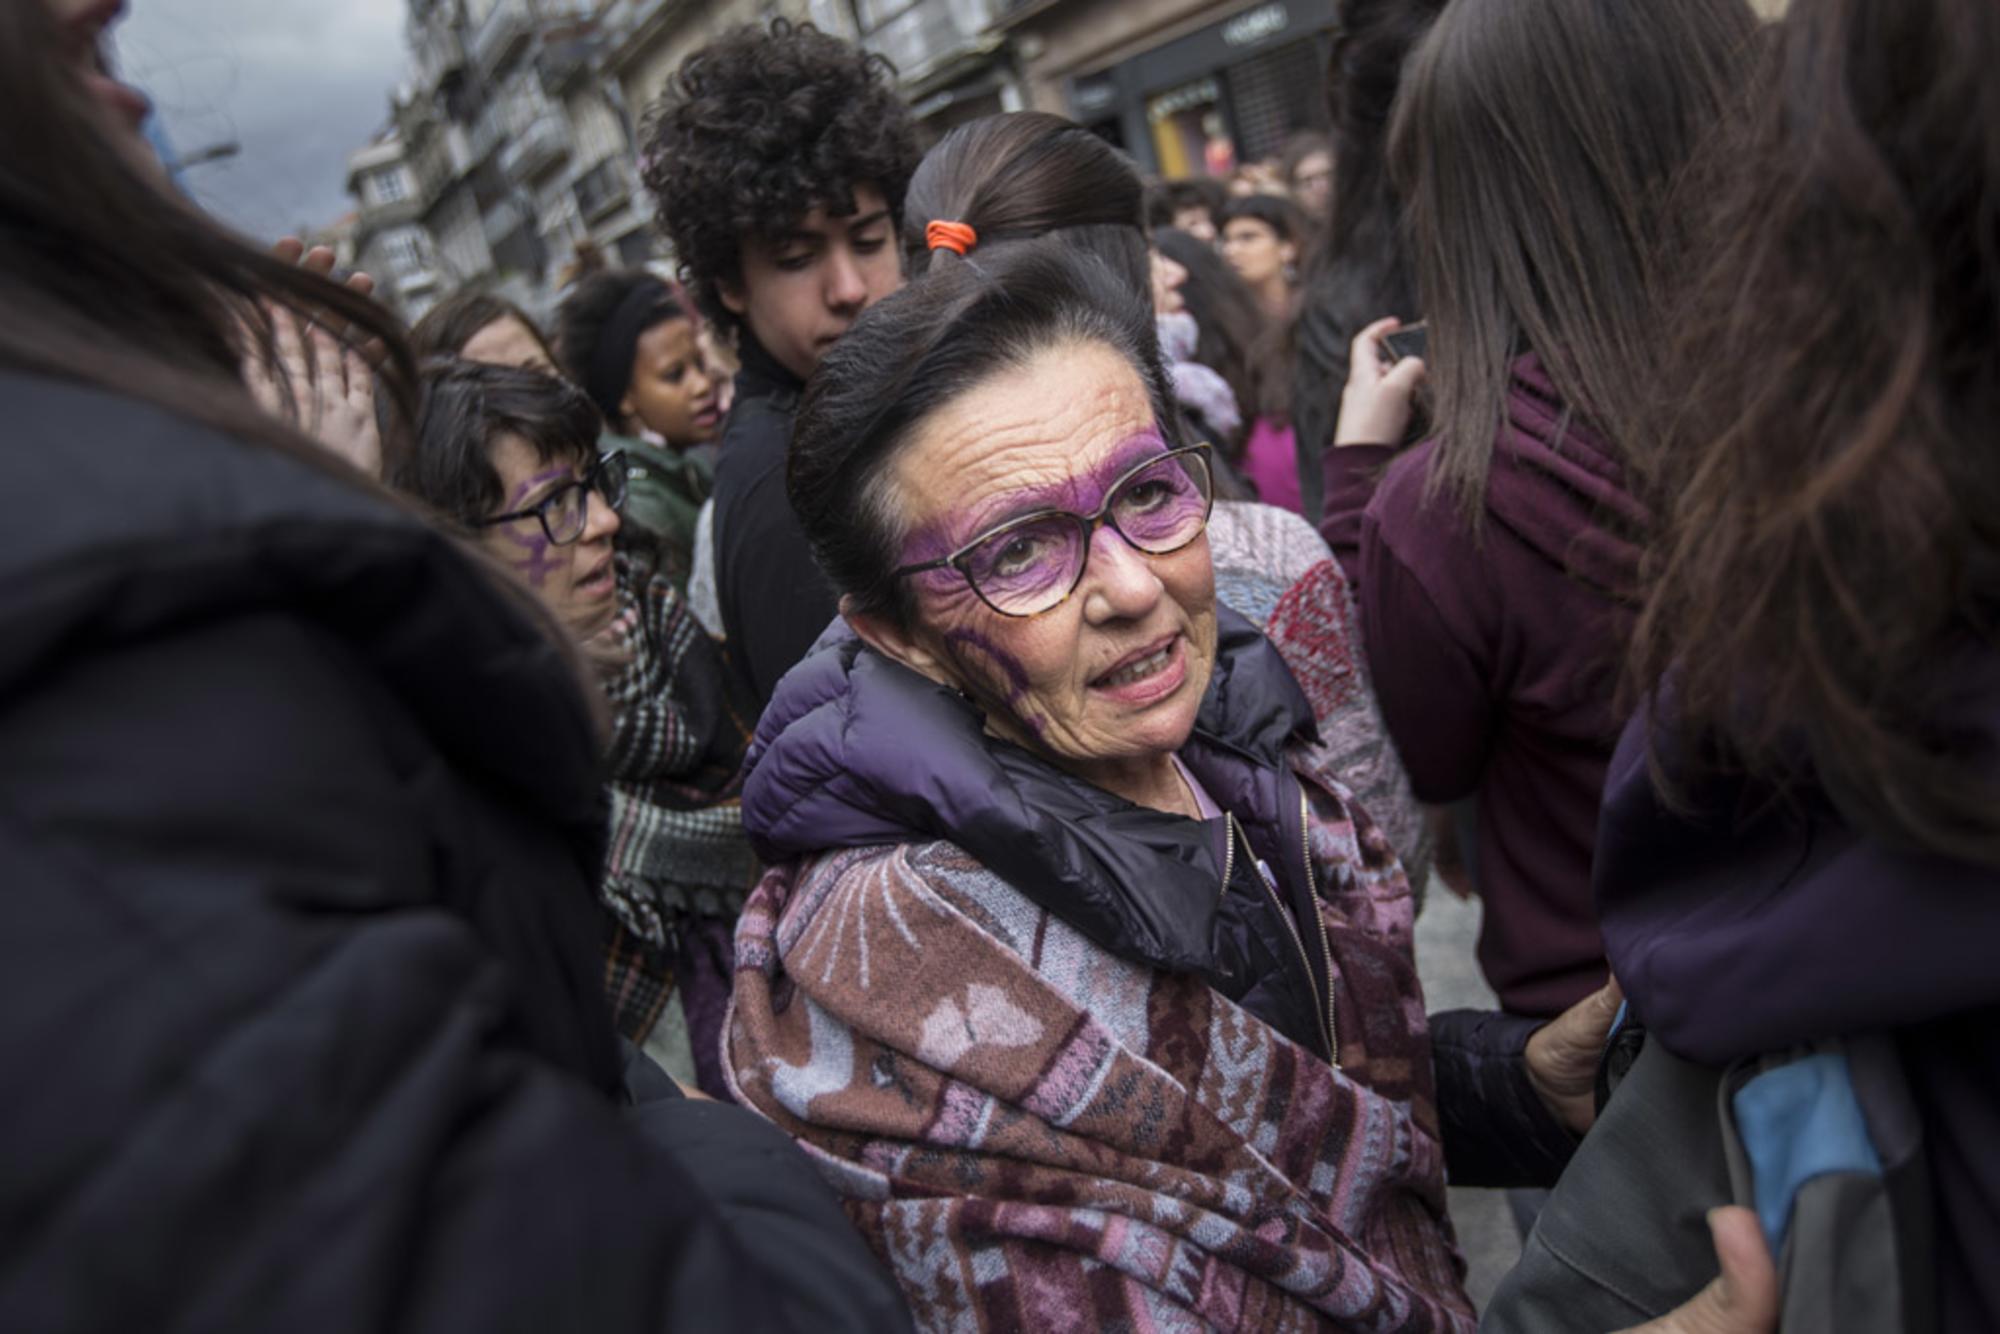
[
  {"x": 1077, "y": 495},
  {"x": 1009, "y": 667},
  {"x": 529, "y": 535}
]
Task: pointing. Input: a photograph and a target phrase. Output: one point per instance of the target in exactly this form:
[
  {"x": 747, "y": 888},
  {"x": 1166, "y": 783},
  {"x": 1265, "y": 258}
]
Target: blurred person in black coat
[{"x": 299, "y": 822}]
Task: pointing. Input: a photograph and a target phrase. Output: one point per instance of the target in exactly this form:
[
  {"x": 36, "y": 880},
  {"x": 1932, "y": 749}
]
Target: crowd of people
[{"x": 885, "y": 779}]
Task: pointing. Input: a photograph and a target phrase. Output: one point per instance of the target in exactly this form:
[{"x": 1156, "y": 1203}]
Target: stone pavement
[{"x": 1445, "y": 935}]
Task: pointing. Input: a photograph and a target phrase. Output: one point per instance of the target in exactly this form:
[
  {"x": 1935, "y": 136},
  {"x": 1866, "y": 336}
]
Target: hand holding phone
[{"x": 1376, "y": 405}]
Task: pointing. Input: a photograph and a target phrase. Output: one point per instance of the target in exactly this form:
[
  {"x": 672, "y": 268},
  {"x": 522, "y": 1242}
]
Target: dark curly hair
[{"x": 756, "y": 130}]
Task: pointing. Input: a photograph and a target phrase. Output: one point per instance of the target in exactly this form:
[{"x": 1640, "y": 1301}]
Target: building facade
[
  {"x": 1184, "y": 86},
  {"x": 515, "y": 144},
  {"x": 387, "y": 238}
]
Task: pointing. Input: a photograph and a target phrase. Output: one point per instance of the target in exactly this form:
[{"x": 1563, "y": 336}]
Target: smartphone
[{"x": 1408, "y": 341}]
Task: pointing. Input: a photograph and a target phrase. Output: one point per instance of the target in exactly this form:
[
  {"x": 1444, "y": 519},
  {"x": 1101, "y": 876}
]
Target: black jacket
[
  {"x": 301, "y": 1023},
  {"x": 775, "y": 602}
]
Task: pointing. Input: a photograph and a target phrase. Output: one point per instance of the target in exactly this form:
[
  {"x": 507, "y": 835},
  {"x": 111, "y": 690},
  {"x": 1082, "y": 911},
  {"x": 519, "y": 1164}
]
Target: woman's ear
[{"x": 892, "y": 640}]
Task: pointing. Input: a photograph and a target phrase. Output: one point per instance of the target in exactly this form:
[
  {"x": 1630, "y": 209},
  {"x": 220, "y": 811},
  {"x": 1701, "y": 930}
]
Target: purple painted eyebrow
[
  {"x": 1079, "y": 495},
  {"x": 525, "y": 489}
]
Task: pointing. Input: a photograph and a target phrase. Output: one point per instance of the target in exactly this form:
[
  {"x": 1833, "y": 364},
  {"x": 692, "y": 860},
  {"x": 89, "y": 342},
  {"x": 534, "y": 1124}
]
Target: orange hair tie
[{"x": 956, "y": 237}]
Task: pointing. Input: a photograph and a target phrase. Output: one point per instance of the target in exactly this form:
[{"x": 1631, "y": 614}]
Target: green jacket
[{"x": 664, "y": 496}]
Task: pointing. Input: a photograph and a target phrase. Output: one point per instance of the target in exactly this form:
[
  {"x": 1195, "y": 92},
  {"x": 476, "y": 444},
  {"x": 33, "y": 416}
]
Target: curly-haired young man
[{"x": 779, "y": 158}]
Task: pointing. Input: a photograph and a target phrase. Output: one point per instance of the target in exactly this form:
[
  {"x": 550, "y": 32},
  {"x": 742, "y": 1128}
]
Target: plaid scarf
[{"x": 677, "y": 854}]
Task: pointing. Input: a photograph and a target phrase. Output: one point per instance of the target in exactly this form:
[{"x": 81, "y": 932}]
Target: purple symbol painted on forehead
[{"x": 1078, "y": 494}]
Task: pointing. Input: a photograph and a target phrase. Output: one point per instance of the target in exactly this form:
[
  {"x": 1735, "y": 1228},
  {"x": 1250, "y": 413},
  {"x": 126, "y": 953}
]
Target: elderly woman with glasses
[
  {"x": 512, "y": 454},
  {"x": 1081, "y": 975}
]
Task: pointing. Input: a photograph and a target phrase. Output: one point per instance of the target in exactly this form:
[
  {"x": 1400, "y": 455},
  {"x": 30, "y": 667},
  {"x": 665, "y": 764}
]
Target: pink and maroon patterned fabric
[{"x": 1036, "y": 1134}]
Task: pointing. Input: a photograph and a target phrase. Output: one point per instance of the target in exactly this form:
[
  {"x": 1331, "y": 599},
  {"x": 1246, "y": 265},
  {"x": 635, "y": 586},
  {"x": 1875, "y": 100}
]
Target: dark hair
[
  {"x": 1357, "y": 271},
  {"x": 756, "y": 130},
  {"x": 1297, "y": 149},
  {"x": 1827, "y": 555},
  {"x": 1280, "y": 215},
  {"x": 1023, "y": 174},
  {"x": 598, "y": 327},
  {"x": 910, "y": 354},
  {"x": 466, "y": 404},
  {"x": 1226, "y": 314},
  {"x": 1166, "y": 199},
  {"x": 448, "y": 326},
  {"x": 109, "y": 279},
  {"x": 1535, "y": 143}
]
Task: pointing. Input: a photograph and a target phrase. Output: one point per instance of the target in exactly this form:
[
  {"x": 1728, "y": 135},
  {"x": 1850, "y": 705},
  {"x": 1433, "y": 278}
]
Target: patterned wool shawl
[{"x": 1037, "y": 1134}]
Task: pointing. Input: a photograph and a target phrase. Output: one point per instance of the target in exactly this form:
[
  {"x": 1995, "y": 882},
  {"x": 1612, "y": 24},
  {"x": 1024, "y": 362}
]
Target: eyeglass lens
[
  {"x": 1033, "y": 565},
  {"x": 568, "y": 513}
]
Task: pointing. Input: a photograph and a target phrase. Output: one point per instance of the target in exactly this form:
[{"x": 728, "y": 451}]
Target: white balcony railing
[
  {"x": 929, "y": 33},
  {"x": 545, "y": 143},
  {"x": 501, "y": 32}
]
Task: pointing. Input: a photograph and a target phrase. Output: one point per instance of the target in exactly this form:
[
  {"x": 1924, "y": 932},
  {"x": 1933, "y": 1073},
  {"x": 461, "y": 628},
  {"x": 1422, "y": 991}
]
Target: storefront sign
[
  {"x": 1253, "y": 26},
  {"x": 1090, "y": 96}
]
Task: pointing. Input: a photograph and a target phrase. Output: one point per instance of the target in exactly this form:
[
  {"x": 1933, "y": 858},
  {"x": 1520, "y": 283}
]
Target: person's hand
[
  {"x": 1375, "y": 406},
  {"x": 331, "y": 389},
  {"x": 291, "y": 250},
  {"x": 1562, "y": 1056},
  {"x": 315, "y": 380},
  {"x": 319, "y": 259},
  {"x": 1743, "y": 1299}
]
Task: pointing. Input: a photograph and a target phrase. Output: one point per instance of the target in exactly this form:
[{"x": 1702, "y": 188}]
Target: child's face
[
  {"x": 671, "y": 392},
  {"x": 799, "y": 293}
]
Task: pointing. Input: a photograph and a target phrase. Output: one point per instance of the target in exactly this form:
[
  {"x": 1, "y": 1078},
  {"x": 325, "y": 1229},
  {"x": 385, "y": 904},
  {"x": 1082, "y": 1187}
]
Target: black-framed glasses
[
  {"x": 565, "y": 512},
  {"x": 1032, "y": 564}
]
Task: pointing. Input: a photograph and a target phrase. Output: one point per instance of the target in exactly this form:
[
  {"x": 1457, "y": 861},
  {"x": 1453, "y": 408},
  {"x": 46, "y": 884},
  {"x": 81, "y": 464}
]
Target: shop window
[
  {"x": 1190, "y": 135},
  {"x": 1274, "y": 95}
]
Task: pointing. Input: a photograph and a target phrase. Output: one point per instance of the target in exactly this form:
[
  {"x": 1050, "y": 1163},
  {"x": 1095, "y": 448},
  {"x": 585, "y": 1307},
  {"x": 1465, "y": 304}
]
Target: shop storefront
[{"x": 1227, "y": 93}]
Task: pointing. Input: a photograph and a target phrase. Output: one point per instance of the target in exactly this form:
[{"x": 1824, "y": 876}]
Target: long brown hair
[
  {"x": 1534, "y": 144},
  {"x": 106, "y": 278},
  {"x": 1831, "y": 497}
]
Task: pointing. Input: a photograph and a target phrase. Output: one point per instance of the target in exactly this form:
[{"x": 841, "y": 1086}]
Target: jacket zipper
[
  {"x": 1325, "y": 946},
  {"x": 1291, "y": 928},
  {"x": 1228, "y": 856}
]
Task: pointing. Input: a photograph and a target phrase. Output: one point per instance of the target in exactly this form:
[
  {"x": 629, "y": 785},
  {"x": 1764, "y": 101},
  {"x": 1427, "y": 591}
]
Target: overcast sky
[{"x": 299, "y": 83}]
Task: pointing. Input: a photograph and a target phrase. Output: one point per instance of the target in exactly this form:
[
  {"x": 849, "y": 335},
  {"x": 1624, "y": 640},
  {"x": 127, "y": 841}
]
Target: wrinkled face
[
  {"x": 672, "y": 393},
  {"x": 1256, "y": 251},
  {"x": 1114, "y": 674},
  {"x": 799, "y": 293},
  {"x": 575, "y": 582},
  {"x": 1312, "y": 183},
  {"x": 508, "y": 342},
  {"x": 1196, "y": 222}
]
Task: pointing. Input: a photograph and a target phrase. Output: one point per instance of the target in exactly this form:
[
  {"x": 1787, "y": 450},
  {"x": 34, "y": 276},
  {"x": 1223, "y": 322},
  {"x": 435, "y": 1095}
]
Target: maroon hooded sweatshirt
[{"x": 1495, "y": 659}]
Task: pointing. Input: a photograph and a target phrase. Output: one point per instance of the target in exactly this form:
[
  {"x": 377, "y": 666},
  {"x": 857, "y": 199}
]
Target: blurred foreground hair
[
  {"x": 108, "y": 278},
  {"x": 1830, "y": 491}
]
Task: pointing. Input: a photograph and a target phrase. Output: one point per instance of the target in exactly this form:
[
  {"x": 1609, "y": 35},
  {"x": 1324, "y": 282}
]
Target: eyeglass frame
[
  {"x": 1089, "y": 524},
  {"x": 610, "y": 463}
]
